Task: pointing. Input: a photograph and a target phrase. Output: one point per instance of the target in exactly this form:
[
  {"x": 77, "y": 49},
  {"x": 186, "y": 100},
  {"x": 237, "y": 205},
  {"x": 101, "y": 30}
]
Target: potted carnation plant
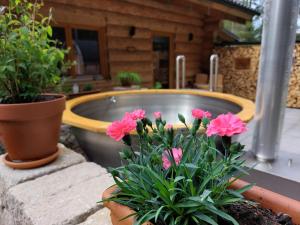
[
  {"x": 30, "y": 64},
  {"x": 183, "y": 178}
]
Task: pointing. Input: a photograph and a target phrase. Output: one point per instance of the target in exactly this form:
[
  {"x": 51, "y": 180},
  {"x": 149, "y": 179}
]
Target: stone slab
[
  {"x": 65, "y": 197},
  {"x": 101, "y": 217},
  {"x": 6, "y": 218},
  {"x": 11, "y": 177}
]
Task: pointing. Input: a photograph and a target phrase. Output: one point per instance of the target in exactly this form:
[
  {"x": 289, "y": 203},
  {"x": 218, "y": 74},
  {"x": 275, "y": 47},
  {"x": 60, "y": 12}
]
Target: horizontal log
[
  {"x": 169, "y": 7},
  {"x": 123, "y": 31},
  {"x": 76, "y": 16},
  {"x": 131, "y": 66},
  {"x": 155, "y": 25},
  {"x": 188, "y": 48},
  {"x": 125, "y": 56},
  {"x": 129, "y": 44},
  {"x": 184, "y": 37},
  {"x": 135, "y": 10}
]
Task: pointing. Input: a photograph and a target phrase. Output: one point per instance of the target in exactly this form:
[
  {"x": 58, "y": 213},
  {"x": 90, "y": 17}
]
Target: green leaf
[
  {"x": 245, "y": 188},
  {"x": 158, "y": 213},
  {"x": 223, "y": 215},
  {"x": 179, "y": 178},
  {"x": 205, "y": 218}
]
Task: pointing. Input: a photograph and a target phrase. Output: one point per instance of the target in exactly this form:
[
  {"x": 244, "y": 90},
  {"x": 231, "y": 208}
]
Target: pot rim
[
  {"x": 33, "y": 110},
  {"x": 100, "y": 126}
]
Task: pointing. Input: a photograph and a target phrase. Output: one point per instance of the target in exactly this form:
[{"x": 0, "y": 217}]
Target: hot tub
[{"x": 90, "y": 115}]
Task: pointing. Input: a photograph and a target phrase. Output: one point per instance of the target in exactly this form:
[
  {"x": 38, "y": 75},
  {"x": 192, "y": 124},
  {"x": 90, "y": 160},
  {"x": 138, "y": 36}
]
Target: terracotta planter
[
  {"x": 267, "y": 199},
  {"x": 117, "y": 211},
  {"x": 30, "y": 131}
]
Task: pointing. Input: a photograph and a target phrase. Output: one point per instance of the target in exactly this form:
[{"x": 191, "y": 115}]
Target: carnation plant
[
  {"x": 30, "y": 62},
  {"x": 178, "y": 178}
]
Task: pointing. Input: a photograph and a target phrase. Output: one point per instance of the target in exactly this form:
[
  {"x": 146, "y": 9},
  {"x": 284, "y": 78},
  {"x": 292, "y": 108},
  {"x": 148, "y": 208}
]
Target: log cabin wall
[
  {"x": 149, "y": 17},
  {"x": 211, "y": 28},
  {"x": 239, "y": 66}
]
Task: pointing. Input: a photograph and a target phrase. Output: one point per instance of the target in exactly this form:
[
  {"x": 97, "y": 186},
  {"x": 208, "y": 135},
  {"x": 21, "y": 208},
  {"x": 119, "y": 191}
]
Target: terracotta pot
[
  {"x": 30, "y": 131},
  {"x": 271, "y": 200},
  {"x": 267, "y": 199},
  {"x": 117, "y": 211}
]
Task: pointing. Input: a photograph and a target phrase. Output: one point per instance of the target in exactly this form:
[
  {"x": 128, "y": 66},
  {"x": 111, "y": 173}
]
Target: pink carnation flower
[
  {"x": 118, "y": 129},
  {"x": 226, "y": 125},
  {"x": 199, "y": 114},
  {"x": 169, "y": 126},
  {"x": 157, "y": 115},
  {"x": 137, "y": 114},
  {"x": 177, "y": 153}
]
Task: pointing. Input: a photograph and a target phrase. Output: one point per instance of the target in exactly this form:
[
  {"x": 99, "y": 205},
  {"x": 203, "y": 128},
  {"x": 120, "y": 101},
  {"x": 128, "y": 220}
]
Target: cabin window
[
  {"x": 86, "y": 51},
  {"x": 59, "y": 35}
]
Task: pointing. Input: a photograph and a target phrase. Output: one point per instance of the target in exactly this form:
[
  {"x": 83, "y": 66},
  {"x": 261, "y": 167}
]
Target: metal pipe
[
  {"x": 216, "y": 71},
  {"x": 183, "y": 71},
  {"x": 183, "y": 68},
  {"x": 213, "y": 72},
  {"x": 278, "y": 40}
]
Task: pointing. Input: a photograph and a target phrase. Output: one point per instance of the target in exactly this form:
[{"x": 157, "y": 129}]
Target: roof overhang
[{"x": 228, "y": 7}]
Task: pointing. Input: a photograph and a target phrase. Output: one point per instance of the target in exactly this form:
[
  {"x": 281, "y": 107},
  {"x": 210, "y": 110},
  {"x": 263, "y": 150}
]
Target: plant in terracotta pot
[
  {"x": 182, "y": 178},
  {"x": 128, "y": 80},
  {"x": 30, "y": 65}
]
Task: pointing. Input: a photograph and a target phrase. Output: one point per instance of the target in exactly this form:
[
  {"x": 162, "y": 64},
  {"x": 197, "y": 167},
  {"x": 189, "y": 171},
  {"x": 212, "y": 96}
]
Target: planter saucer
[{"x": 30, "y": 164}]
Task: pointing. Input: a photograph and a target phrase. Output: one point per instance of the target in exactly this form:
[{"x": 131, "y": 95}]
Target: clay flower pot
[
  {"x": 267, "y": 199},
  {"x": 117, "y": 211},
  {"x": 30, "y": 131}
]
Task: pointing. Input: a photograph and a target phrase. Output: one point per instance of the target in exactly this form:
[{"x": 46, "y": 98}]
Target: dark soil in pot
[
  {"x": 40, "y": 98},
  {"x": 246, "y": 214}
]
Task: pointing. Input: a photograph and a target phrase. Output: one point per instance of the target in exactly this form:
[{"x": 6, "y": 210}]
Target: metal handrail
[
  {"x": 183, "y": 71},
  {"x": 213, "y": 72}
]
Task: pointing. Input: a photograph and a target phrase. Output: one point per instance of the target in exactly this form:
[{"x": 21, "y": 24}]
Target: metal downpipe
[{"x": 278, "y": 40}]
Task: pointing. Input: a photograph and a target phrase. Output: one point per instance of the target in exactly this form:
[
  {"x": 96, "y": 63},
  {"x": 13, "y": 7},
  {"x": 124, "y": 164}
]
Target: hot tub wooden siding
[{"x": 173, "y": 18}]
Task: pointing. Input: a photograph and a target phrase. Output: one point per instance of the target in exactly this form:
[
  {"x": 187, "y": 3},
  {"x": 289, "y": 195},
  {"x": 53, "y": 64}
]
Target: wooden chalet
[{"x": 143, "y": 36}]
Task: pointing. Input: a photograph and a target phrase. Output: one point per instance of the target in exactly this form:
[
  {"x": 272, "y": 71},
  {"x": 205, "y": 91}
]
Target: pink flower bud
[
  {"x": 200, "y": 114},
  {"x": 157, "y": 115}
]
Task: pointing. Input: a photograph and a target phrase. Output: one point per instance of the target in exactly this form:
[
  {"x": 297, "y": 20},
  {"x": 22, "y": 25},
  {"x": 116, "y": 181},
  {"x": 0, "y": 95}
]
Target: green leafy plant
[
  {"x": 126, "y": 79},
  {"x": 87, "y": 87},
  {"x": 157, "y": 85},
  {"x": 182, "y": 178},
  {"x": 30, "y": 62}
]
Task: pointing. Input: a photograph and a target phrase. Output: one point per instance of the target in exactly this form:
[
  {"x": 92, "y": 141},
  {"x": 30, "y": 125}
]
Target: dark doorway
[{"x": 161, "y": 60}]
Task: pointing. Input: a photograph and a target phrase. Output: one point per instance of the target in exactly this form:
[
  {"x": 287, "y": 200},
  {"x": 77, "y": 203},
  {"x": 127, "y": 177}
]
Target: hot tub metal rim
[{"x": 73, "y": 119}]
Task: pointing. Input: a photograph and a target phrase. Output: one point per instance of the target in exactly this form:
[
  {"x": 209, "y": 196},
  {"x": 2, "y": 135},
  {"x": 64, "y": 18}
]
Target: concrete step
[
  {"x": 101, "y": 217},
  {"x": 61, "y": 194}
]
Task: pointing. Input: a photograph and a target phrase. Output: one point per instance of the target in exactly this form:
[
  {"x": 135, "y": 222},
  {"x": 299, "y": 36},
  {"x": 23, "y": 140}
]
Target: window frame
[{"x": 102, "y": 45}]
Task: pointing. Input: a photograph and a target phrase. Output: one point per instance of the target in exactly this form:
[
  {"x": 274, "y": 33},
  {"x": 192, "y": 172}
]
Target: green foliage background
[
  {"x": 30, "y": 62},
  {"x": 127, "y": 78}
]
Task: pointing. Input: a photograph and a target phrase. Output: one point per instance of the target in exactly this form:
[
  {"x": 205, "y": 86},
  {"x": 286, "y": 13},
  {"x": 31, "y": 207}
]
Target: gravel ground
[{"x": 69, "y": 140}]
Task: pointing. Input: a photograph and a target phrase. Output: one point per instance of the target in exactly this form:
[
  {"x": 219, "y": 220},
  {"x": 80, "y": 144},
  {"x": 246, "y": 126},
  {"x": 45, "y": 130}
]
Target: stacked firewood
[
  {"x": 239, "y": 66},
  {"x": 293, "y": 99}
]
